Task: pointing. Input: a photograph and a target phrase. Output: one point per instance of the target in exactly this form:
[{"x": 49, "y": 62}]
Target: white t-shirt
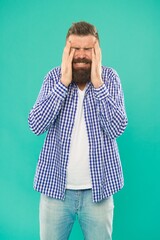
[{"x": 78, "y": 170}]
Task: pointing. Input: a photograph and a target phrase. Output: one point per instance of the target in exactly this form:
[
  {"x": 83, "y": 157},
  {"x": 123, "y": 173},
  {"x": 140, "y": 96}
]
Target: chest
[{"x": 75, "y": 105}]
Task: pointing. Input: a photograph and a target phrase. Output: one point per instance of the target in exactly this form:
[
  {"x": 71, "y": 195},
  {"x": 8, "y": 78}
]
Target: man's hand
[
  {"x": 96, "y": 78},
  {"x": 66, "y": 66}
]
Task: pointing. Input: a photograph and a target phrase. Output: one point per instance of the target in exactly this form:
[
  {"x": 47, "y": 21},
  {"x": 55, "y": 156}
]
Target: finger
[
  {"x": 72, "y": 51},
  {"x": 93, "y": 55},
  {"x": 67, "y": 49},
  {"x": 97, "y": 50}
]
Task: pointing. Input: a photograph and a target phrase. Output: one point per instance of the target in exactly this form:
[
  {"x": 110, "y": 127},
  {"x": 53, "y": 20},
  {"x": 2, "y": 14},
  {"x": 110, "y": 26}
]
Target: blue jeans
[{"x": 57, "y": 217}]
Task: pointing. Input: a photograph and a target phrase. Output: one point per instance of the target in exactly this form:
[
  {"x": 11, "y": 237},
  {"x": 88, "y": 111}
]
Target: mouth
[{"x": 81, "y": 64}]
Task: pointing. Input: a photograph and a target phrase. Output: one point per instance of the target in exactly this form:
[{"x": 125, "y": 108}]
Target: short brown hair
[{"x": 82, "y": 29}]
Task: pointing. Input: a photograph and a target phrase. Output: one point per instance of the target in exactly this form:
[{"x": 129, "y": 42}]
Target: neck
[{"x": 81, "y": 86}]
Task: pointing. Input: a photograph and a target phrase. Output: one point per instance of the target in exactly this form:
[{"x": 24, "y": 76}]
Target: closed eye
[
  {"x": 75, "y": 48},
  {"x": 87, "y": 49}
]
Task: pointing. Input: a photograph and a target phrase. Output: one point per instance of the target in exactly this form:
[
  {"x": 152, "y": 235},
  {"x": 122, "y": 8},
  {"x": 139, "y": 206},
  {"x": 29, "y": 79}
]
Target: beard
[{"x": 81, "y": 75}]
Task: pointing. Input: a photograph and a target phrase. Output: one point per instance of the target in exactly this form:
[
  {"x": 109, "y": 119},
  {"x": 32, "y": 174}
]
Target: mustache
[{"x": 81, "y": 60}]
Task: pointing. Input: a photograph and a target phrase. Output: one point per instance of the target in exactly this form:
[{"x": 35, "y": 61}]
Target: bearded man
[{"x": 81, "y": 107}]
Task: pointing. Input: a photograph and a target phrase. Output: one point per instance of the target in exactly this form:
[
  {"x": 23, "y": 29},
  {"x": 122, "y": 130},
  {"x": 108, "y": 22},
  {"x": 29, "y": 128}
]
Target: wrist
[
  {"x": 98, "y": 83},
  {"x": 65, "y": 83}
]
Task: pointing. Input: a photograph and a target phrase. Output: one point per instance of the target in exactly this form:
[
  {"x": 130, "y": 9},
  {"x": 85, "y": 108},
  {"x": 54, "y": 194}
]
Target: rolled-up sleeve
[{"x": 49, "y": 102}]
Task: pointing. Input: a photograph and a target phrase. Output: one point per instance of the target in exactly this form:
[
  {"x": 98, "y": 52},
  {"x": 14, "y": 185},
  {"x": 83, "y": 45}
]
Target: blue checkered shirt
[{"x": 105, "y": 117}]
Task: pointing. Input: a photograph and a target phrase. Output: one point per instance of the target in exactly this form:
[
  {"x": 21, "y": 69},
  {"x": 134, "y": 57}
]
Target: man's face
[{"x": 82, "y": 59}]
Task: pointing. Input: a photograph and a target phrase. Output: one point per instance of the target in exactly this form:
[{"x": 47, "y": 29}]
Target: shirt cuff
[
  {"x": 61, "y": 90},
  {"x": 101, "y": 92}
]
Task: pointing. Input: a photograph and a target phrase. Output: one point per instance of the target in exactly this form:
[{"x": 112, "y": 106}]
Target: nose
[{"x": 80, "y": 53}]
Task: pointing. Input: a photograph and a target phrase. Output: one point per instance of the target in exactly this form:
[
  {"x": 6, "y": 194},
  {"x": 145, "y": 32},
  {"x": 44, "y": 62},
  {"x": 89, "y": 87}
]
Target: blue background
[{"x": 31, "y": 43}]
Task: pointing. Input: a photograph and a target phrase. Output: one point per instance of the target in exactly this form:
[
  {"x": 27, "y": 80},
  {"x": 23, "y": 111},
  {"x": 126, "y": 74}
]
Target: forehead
[{"x": 82, "y": 41}]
